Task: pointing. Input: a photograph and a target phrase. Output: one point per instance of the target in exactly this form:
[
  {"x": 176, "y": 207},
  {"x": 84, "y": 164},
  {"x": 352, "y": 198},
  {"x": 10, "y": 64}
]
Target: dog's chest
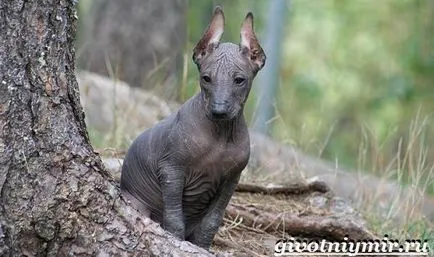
[
  {"x": 207, "y": 171},
  {"x": 215, "y": 157}
]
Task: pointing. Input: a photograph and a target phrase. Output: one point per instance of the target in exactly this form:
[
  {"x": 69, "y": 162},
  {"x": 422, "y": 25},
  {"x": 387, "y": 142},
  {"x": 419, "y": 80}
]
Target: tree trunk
[
  {"x": 274, "y": 37},
  {"x": 140, "y": 41},
  {"x": 55, "y": 197}
]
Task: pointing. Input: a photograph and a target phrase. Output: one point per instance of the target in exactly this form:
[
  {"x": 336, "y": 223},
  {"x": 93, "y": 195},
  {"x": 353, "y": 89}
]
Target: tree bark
[{"x": 55, "y": 197}]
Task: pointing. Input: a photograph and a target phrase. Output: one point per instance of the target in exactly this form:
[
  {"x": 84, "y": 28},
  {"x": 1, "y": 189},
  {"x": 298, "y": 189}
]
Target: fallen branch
[
  {"x": 315, "y": 186},
  {"x": 324, "y": 227}
]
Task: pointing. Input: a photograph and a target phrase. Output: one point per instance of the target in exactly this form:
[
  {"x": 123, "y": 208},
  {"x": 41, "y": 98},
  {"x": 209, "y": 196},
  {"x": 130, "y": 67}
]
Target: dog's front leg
[
  {"x": 204, "y": 233},
  {"x": 172, "y": 187}
]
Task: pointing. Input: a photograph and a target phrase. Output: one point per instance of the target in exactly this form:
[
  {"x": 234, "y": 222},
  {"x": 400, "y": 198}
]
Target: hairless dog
[{"x": 183, "y": 171}]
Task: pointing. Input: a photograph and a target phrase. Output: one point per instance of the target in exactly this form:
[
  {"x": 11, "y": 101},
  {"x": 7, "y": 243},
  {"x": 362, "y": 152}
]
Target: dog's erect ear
[
  {"x": 211, "y": 37},
  {"x": 249, "y": 43}
]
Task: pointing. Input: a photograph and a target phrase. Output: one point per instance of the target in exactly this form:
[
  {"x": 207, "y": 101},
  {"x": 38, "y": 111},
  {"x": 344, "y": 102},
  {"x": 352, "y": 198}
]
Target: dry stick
[
  {"x": 316, "y": 186},
  {"x": 223, "y": 242},
  {"x": 329, "y": 228},
  {"x": 259, "y": 231}
]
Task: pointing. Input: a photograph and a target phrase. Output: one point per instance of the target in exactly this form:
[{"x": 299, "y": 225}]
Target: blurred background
[{"x": 347, "y": 81}]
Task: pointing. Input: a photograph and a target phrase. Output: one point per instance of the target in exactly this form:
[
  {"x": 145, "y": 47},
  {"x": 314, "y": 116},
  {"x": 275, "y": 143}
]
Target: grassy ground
[{"x": 409, "y": 167}]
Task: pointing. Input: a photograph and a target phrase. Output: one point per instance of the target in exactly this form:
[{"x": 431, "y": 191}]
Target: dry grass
[
  {"x": 255, "y": 240},
  {"x": 409, "y": 164}
]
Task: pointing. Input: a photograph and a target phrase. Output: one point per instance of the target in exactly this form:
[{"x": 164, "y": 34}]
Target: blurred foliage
[{"x": 354, "y": 75}]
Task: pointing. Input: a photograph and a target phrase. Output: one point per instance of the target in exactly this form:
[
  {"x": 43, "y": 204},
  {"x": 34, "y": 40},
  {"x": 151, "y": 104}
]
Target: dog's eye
[
  {"x": 206, "y": 78},
  {"x": 239, "y": 80}
]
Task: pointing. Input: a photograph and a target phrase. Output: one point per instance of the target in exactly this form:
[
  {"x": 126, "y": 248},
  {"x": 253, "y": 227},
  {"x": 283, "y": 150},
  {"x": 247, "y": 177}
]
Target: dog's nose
[{"x": 219, "y": 110}]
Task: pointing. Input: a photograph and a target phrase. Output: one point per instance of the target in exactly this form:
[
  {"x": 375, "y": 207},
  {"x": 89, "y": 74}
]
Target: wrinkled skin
[{"x": 183, "y": 171}]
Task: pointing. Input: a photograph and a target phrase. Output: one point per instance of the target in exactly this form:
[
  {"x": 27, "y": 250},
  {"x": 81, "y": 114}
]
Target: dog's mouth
[
  {"x": 224, "y": 116},
  {"x": 220, "y": 116}
]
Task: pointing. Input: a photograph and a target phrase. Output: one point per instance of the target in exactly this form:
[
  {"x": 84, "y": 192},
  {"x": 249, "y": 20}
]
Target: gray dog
[{"x": 183, "y": 171}]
